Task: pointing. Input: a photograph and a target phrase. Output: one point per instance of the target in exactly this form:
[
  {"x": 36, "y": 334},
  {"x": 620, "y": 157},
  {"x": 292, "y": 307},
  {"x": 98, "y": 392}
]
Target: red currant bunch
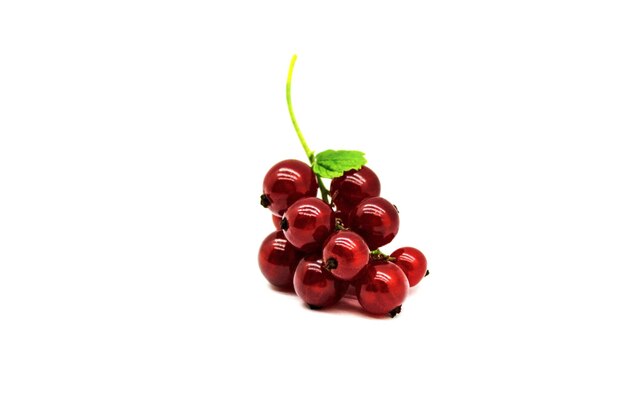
[{"x": 322, "y": 246}]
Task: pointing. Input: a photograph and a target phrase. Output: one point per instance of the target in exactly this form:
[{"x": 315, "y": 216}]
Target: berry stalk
[{"x": 309, "y": 153}]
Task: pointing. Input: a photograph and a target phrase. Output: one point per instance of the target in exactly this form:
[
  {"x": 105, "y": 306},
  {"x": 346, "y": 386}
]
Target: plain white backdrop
[{"x": 134, "y": 137}]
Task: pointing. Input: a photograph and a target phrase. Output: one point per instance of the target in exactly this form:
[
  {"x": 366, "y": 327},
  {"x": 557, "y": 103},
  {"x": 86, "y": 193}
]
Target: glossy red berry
[
  {"x": 345, "y": 254},
  {"x": 276, "y": 220},
  {"x": 353, "y": 187},
  {"x": 412, "y": 262},
  {"x": 278, "y": 260},
  {"x": 287, "y": 182},
  {"x": 307, "y": 223},
  {"x": 382, "y": 288},
  {"x": 315, "y": 285},
  {"x": 377, "y": 220}
]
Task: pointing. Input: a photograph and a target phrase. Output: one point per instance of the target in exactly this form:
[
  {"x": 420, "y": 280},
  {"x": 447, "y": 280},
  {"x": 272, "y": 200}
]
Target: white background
[{"x": 134, "y": 137}]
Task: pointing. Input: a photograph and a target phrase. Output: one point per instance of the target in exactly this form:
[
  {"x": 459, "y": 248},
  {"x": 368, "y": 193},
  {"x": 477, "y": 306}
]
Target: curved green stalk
[{"x": 309, "y": 153}]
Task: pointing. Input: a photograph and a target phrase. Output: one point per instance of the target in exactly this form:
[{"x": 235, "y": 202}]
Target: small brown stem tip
[
  {"x": 395, "y": 311},
  {"x": 331, "y": 264},
  {"x": 265, "y": 201}
]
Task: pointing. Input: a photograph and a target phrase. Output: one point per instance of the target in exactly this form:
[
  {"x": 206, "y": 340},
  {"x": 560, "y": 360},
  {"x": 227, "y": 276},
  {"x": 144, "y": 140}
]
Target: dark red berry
[
  {"x": 276, "y": 220},
  {"x": 377, "y": 220},
  {"x": 307, "y": 223},
  {"x": 353, "y": 187},
  {"x": 345, "y": 254},
  {"x": 412, "y": 262},
  {"x": 278, "y": 259},
  {"x": 315, "y": 285},
  {"x": 287, "y": 182},
  {"x": 382, "y": 288}
]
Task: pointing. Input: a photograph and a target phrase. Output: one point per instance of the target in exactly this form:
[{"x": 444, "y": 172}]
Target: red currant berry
[
  {"x": 412, "y": 262},
  {"x": 276, "y": 220},
  {"x": 345, "y": 254},
  {"x": 377, "y": 220},
  {"x": 285, "y": 183},
  {"x": 382, "y": 288},
  {"x": 353, "y": 187},
  {"x": 278, "y": 260},
  {"x": 307, "y": 223},
  {"x": 315, "y": 285}
]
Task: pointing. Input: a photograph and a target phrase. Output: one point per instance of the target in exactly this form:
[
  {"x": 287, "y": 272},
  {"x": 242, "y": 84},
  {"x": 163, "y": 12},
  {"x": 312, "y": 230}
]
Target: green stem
[
  {"x": 377, "y": 255},
  {"x": 309, "y": 153},
  {"x": 323, "y": 189}
]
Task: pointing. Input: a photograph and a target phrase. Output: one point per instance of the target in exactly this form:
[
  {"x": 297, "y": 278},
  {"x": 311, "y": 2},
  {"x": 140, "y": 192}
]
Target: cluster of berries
[{"x": 320, "y": 249}]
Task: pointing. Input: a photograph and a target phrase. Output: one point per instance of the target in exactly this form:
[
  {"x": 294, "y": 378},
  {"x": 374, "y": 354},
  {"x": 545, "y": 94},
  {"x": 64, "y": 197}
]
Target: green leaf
[{"x": 332, "y": 164}]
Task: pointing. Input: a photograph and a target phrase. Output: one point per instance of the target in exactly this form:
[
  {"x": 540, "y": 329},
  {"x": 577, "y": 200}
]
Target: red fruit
[
  {"x": 412, "y": 262},
  {"x": 307, "y": 223},
  {"x": 377, "y": 220},
  {"x": 352, "y": 187},
  {"x": 315, "y": 285},
  {"x": 278, "y": 259},
  {"x": 382, "y": 288},
  {"x": 276, "y": 220},
  {"x": 285, "y": 183},
  {"x": 345, "y": 254}
]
